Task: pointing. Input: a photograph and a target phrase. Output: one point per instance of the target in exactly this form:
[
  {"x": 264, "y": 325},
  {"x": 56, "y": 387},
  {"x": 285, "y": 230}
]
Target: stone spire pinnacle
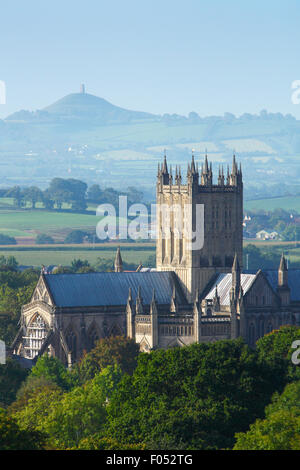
[
  {"x": 236, "y": 276},
  {"x": 139, "y": 303},
  {"x": 129, "y": 295},
  {"x": 234, "y": 166},
  {"x": 193, "y": 176},
  {"x": 153, "y": 305},
  {"x": 205, "y": 171},
  {"x": 174, "y": 303},
  {"x": 283, "y": 282},
  {"x": 197, "y": 307},
  {"x": 283, "y": 265},
  {"x": 118, "y": 261},
  {"x": 193, "y": 166},
  {"x": 283, "y": 272},
  {"x": 165, "y": 165},
  {"x": 178, "y": 175},
  {"x": 216, "y": 300},
  {"x": 164, "y": 171},
  {"x": 228, "y": 176},
  {"x": 221, "y": 176}
]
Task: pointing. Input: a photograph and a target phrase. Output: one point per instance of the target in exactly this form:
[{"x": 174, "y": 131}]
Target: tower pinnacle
[{"x": 118, "y": 261}]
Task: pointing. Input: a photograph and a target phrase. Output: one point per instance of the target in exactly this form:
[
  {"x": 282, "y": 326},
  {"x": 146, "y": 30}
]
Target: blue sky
[{"x": 160, "y": 56}]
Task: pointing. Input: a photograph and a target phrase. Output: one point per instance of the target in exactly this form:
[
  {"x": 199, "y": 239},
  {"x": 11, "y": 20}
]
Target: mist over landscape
[{"x": 84, "y": 136}]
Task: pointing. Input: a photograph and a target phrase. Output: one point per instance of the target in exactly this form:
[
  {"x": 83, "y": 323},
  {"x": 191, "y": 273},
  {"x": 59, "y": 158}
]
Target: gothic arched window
[{"x": 35, "y": 335}]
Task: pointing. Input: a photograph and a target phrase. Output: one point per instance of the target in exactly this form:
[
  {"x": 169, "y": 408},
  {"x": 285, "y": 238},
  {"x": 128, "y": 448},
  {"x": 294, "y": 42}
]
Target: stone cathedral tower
[{"x": 222, "y": 207}]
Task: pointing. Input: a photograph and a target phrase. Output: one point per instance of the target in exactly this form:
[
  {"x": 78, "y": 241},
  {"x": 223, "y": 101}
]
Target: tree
[
  {"x": 17, "y": 194},
  {"x": 33, "y": 417},
  {"x": 82, "y": 411},
  {"x": 52, "y": 369},
  {"x": 104, "y": 264},
  {"x": 195, "y": 397},
  {"x": 69, "y": 191},
  {"x": 9, "y": 261},
  {"x": 98, "y": 442},
  {"x": 43, "y": 239},
  {"x": 291, "y": 233},
  {"x": 86, "y": 269},
  {"x": 76, "y": 236},
  {"x": 47, "y": 200},
  {"x": 134, "y": 195},
  {"x": 94, "y": 193},
  {"x": 78, "y": 264},
  {"x": 6, "y": 240},
  {"x": 67, "y": 418},
  {"x": 12, "y": 297},
  {"x": 33, "y": 195},
  {"x": 275, "y": 349},
  {"x": 28, "y": 389},
  {"x": 114, "y": 350},
  {"x": 13, "y": 438},
  {"x": 11, "y": 377},
  {"x": 280, "y": 430},
  {"x": 12, "y": 262}
]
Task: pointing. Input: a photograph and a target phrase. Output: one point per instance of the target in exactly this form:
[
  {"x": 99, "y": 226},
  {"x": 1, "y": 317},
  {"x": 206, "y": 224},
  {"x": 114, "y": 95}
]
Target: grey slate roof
[
  {"x": 101, "y": 289},
  {"x": 224, "y": 282},
  {"x": 293, "y": 280}
]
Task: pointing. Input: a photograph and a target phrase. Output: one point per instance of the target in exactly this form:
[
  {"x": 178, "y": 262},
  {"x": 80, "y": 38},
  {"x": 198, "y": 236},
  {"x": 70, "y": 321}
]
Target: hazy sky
[{"x": 160, "y": 56}]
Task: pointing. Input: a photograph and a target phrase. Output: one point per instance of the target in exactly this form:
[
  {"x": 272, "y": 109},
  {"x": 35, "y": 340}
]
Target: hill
[
  {"x": 81, "y": 106},
  {"x": 86, "y": 137}
]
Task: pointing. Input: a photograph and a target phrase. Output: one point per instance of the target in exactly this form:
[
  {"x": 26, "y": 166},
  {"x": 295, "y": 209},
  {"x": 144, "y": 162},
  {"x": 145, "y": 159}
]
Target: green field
[
  {"x": 131, "y": 253},
  {"x": 29, "y": 223},
  {"x": 269, "y": 204},
  {"x": 65, "y": 256}
]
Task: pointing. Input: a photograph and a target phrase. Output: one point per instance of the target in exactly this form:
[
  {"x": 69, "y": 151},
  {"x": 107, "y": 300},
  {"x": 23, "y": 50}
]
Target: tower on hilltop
[{"x": 222, "y": 225}]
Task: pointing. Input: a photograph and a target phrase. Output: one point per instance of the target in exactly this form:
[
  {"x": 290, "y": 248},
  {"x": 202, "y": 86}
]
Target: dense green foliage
[
  {"x": 67, "y": 418},
  {"x": 43, "y": 239},
  {"x": 16, "y": 289},
  {"x": 6, "y": 240},
  {"x": 276, "y": 350},
  {"x": 52, "y": 369},
  {"x": 192, "y": 397},
  {"x": 204, "y": 396},
  {"x": 70, "y": 192},
  {"x": 13, "y": 438},
  {"x": 110, "y": 351},
  {"x": 11, "y": 378},
  {"x": 280, "y": 430}
]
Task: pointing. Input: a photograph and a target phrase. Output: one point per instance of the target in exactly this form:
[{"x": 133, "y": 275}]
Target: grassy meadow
[
  {"x": 270, "y": 204},
  {"x": 64, "y": 255},
  {"x": 25, "y": 224}
]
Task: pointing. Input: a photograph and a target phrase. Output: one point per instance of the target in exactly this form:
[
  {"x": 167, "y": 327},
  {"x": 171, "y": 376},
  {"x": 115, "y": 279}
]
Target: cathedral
[{"x": 195, "y": 294}]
